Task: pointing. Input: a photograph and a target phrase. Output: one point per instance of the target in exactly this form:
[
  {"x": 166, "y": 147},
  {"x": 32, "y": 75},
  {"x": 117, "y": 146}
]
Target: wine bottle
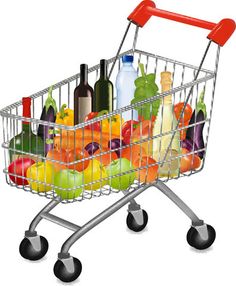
[
  {"x": 103, "y": 91},
  {"x": 83, "y": 96},
  {"x": 166, "y": 122},
  {"x": 26, "y": 141}
]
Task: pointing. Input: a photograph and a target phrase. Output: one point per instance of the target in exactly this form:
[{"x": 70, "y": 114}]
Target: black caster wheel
[
  {"x": 133, "y": 225},
  {"x": 195, "y": 240},
  {"x": 30, "y": 252},
  {"x": 65, "y": 274}
]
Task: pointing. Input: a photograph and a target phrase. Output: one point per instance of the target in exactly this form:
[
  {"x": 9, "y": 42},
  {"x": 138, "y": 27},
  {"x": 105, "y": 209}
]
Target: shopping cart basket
[{"x": 188, "y": 83}]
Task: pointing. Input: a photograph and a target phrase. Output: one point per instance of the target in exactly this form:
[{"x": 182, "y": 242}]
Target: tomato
[
  {"x": 189, "y": 162},
  {"x": 60, "y": 156},
  {"x": 133, "y": 153},
  {"x": 127, "y": 130},
  {"x": 42, "y": 173},
  {"x": 105, "y": 159},
  {"x": 187, "y": 112},
  {"x": 148, "y": 174},
  {"x": 76, "y": 155},
  {"x": 94, "y": 126},
  {"x": 19, "y": 167}
]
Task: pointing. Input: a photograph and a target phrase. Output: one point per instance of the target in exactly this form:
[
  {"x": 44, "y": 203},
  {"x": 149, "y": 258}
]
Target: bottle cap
[{"x": 127, "y": 59}]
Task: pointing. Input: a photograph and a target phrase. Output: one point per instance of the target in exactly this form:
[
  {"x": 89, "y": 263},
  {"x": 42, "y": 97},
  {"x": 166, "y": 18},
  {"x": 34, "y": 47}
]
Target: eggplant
[
  {"x": 48, "y": 114},
  {"x": 195, "y": 133}
]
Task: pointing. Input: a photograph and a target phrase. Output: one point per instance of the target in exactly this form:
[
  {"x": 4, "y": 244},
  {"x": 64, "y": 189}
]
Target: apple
[
  {"x": 148, "y": 174},
  {"x": 43, "y": 173},
  {"x": 19, "y": 167},
  {"x": 95, "y": 171},
  {"x": 117, "y": 167},
  {"x": 68, "y": 179}
]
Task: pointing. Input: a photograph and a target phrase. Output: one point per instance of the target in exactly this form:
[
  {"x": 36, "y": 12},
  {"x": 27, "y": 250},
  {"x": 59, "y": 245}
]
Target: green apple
[
  {"x": 68, "y": 179},
  {"x": 116, "y": 167}
]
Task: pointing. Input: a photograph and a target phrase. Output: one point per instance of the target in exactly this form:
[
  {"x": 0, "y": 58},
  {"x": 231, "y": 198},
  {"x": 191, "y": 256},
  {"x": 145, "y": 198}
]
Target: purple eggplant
[
  {"x": 49, "y": 115},
  {"x": 195, "y": 133},
  {"x": 189, "y": 145}
]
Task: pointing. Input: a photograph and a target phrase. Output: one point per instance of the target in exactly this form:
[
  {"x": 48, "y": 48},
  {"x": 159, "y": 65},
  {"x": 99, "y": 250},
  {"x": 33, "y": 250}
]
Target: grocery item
[
  {"x": 48, "y": 114},
  {"x": 142, "y": 134},
  {"x": 133, "y": 153},
  {"x": 125, "y": 87},
  {"x": 117, "y": 167},
  {"x": 18, "y": 168},
  {"x": 149, "y": 173},
  {"x": 189, "y": 162},
  {"x": 103, "y": 90},
  {"x": 166, "y": 123},
  {"x": 184, "y": 121},
  {"x": 105, "y": 159},
  {"x": 83, "y": 96},
  {"x": 65, "y": 116},
  {"x": 80, "y": 138},
  {"x": 146, "y": 88},
  {"x": 94, "y": 126},
  {"x": 42, "y": 173},
  {"x": 92, "y": 147},
  {"x": 95, "y": 172},
  {"x": 116, "y": 144},
  {"x": 26, "y": 144},
  {"x": 128, "y": 128},
  {"x": 195, "y": 133},
  {"x": 68, "y": 184}
]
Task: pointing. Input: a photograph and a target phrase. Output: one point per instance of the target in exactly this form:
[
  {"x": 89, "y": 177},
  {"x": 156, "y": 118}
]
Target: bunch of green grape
[{"x": 146, "y": 88}]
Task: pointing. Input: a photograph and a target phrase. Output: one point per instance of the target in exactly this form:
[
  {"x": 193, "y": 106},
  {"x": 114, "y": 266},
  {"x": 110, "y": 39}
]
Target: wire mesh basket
[{"x": 101, "y": 181}]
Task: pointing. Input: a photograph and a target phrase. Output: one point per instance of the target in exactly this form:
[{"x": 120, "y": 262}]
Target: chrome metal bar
[
  {"x": 175, "y": 199},
  {"x": 186, "y": 101},
  {"x": 60, "y": 221},
  {"x": 135, "y": 38},
  {"x": 119, "y": 49},
  {"x": 46, "y": 209},
  {"x": 101, "y": 217}
]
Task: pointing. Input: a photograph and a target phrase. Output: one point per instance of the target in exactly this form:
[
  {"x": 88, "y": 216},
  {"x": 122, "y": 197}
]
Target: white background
[{"x": 43, "y": 42}]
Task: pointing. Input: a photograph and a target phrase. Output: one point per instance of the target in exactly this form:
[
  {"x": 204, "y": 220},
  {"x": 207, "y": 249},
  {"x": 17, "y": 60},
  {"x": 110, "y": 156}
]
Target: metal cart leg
[
  {"x": 33, "y": 246},
  {"x": 98, "y": 219},
  {"x": 200, "y": 235}
]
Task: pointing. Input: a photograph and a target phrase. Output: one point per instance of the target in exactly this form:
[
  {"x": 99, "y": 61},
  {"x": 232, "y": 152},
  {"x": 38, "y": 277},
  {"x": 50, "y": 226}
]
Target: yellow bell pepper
[
  {"x": 112, "y": 124},
  {"x": 65, "y": 116}
]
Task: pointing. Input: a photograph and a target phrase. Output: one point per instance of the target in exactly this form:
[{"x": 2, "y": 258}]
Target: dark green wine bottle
[{"x": 103, "y": 91}]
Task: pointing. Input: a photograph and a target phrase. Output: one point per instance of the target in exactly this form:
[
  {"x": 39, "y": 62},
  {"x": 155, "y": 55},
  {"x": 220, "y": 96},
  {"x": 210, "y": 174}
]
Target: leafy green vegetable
[{"x": 146, "y": 88}]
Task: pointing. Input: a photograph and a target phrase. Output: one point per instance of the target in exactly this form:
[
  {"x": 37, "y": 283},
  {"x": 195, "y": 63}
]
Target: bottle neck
[
  {"x": 103, "y": 69},
  {"x": 84, "y": 74},
  {"x": 26, "y": 102},
  {"x": 166, "y": 84}
]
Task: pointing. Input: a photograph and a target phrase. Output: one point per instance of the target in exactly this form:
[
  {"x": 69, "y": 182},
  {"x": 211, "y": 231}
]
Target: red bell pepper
[
  {"x": 127, "y": 130},
  {"x": 94, "y": 126}
]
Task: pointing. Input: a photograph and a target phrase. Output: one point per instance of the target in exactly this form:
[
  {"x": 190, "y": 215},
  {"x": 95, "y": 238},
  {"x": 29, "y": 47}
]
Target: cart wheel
[
  {"x": 65, "y": 274},
  {"x": 133, "y": 224},
  {"x": 195, "y": 240},
  {"x": 28, "y": 250}
]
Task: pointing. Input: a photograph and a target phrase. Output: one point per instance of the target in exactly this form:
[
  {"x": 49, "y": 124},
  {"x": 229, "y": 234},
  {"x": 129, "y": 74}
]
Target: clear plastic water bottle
[{"x": 125, "y": 87}]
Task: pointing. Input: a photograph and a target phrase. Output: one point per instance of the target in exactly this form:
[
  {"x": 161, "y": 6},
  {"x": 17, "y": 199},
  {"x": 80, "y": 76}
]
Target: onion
[
  {"x": 116, "y": 143},
  {"x": 92, "y": 147}
]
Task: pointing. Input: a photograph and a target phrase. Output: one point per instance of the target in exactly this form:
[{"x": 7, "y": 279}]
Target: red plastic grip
[{"x": 220, "y": 33}]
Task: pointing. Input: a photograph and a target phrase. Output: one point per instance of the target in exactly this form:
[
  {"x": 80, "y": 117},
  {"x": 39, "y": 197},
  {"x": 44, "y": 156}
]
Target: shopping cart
[{"x": 188, "y": 82}]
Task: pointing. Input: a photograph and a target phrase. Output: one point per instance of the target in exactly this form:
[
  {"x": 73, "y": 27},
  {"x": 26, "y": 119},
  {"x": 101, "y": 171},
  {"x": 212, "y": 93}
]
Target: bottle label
[{"x": 85, "y": 107}]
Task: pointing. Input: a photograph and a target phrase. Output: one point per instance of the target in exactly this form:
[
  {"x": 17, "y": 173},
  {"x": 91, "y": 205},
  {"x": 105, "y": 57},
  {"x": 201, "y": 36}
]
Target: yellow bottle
[{"x": 164, "y": 123}]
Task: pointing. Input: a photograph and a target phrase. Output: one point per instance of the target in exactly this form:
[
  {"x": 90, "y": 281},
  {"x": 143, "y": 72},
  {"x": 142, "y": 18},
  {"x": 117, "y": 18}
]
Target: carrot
[{"x": 81, "y": 138}]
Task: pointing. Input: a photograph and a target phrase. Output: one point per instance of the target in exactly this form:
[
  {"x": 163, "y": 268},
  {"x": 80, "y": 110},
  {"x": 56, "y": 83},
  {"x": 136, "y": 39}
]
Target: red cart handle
[{"x": 220, "y": 33}]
